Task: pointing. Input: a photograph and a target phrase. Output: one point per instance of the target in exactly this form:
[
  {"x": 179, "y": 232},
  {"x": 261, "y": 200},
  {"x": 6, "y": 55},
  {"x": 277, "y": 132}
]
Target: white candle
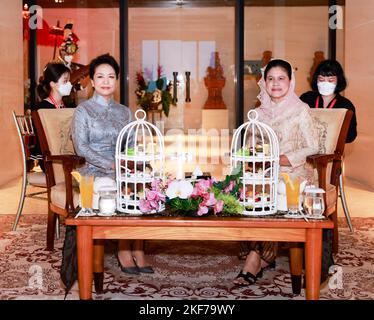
[
  {"x": 180, "y": 159},
  {"x": 107, "y": 205}
]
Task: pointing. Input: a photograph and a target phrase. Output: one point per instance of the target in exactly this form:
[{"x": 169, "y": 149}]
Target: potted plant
[{"x": 153, "y": 94}]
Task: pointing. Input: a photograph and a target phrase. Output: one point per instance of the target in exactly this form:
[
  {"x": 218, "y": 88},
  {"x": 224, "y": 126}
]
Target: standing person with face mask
[{"x": 327, "y": 83}]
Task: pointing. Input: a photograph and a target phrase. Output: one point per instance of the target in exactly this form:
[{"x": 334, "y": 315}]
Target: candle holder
[
  {"x": 139, "y": 163},
  {"x": 107, "y": 201},
  {"x": 255, "y": 151}
]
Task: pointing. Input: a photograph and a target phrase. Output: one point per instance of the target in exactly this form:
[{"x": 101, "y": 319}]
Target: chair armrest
[
  {"x": 320, "y": 159},
  {"x": 319, "y": 162},
  {"x": 66, "y": 158},
  {"x": 69, "y": 162}
]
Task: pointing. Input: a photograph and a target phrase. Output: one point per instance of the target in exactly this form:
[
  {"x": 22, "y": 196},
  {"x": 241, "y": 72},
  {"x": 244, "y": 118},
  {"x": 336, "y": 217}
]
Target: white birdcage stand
[
  {"x": 140, "y": 145},
  {"x": 255, "y": 149}
]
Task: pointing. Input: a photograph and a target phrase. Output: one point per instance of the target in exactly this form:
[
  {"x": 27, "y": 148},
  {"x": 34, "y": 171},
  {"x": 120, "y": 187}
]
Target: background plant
[{"x": 152, "y": 93}]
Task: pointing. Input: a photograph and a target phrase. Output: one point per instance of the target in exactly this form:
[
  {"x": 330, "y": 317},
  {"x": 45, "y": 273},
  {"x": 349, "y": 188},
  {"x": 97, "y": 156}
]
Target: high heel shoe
[
  {"x": 146, "y": 269},
  {"x": 271, "y": 265},
  {"x": 130, "y": 270}
]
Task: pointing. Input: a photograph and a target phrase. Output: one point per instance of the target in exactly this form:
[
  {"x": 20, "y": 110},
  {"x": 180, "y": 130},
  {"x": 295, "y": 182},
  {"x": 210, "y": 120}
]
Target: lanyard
[
  {"x": 55, "y": 103},
  {"x": 329, "y": 107}
]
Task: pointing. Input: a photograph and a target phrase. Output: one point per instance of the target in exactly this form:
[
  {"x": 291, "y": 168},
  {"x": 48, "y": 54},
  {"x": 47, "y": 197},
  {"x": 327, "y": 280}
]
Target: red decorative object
[{"x": 215, "y": 81}]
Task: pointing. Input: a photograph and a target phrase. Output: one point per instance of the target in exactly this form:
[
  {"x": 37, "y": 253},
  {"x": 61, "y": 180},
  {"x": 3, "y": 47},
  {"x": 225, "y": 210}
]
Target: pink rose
[{"x": 202, "y": 210}]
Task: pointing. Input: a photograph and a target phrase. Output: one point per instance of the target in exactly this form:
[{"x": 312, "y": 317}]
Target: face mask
[
  {"x": 68, "y": 59},
  {"x": 65, "y": 89},
  {"x": 326, "y": 88}
]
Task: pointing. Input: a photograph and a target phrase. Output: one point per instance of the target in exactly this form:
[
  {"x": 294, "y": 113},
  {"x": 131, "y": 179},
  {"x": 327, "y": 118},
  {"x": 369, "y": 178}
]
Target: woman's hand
[{"x": 283, "y": 161}]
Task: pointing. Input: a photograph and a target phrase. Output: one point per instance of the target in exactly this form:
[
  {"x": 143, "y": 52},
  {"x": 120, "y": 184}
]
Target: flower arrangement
[
  {"x": 200, "y": 197},
  {"x": 153, "y": 94}
]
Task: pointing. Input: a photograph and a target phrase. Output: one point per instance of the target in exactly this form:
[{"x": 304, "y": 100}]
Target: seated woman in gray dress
[{"x": 96, "y": 125}]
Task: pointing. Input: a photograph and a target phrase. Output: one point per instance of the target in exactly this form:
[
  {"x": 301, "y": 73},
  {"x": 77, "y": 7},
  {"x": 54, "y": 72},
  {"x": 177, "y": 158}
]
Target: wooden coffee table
[{"x": 91, "y": 229}]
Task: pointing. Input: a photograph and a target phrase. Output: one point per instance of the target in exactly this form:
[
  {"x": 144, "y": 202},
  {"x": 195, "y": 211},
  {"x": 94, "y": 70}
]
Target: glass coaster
[
  {"x": 106, "y": 214},
  {"x": 316, "y": 217},
  {"x": 85, "y": 212},
  {"x": 297, "y": 215}
]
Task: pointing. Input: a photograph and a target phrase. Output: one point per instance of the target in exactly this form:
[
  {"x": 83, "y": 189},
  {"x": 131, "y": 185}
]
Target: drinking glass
[
  {"x": 86, "y": 192},
  {"x": 293, "y": 194},
  {"x": 314, "y": 206}
]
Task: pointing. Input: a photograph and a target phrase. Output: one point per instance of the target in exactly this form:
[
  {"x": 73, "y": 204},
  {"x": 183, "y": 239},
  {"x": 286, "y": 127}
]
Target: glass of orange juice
[
  {"x": 86, "y": 193},
  {"x": 292, "y": 192}
]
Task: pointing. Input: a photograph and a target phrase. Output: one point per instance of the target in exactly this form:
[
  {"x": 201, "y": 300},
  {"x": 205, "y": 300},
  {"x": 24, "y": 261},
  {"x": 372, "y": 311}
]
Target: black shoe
[
  {"x": 248, "y": 277},
  {"x": 147, "y": 269},
  {"x": 129, "y": 270},
  {"x": 269, "y": 266}
]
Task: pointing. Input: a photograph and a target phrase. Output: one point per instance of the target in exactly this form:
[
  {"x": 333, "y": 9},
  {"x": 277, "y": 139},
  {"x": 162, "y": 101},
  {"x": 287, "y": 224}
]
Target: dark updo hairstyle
[
  {"x": 104, "y": 59},
  {"x": 330, "y": 68},
  {"x": 278, "y": 63},
  {"x": 52, "y": 72}
]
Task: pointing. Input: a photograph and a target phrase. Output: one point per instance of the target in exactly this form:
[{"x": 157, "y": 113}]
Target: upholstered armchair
[
  {"x": 332, "y": 128},
  {"x": 53, "y": 130}
]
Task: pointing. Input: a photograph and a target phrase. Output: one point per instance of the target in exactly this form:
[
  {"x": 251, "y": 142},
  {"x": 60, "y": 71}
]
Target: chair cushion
[
  {"x": 56, "y": 125},
  {"x": 67, "y": 146},
  {"x": 37, "y": 179},
  {"x": 328, "y": 123},
  {"x": 58, "y": 195}
]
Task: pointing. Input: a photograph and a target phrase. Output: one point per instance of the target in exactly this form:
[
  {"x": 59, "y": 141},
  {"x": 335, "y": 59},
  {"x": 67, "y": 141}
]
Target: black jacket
[{"x": 310, "y": 98}]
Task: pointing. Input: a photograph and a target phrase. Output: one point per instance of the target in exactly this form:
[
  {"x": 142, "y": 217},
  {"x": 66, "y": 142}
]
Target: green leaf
[
  {"x": 231, "y": 204},
  {"x": 160, "y": 83}
]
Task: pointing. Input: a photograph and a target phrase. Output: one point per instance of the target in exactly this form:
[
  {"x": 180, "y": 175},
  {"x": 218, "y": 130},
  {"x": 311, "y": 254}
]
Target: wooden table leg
[
  {"x": 313, "y": 257},
  {"x": 85, "y": 261},
  {"x": 296, "y": 266},
  {"x": 98, "y": 265}
]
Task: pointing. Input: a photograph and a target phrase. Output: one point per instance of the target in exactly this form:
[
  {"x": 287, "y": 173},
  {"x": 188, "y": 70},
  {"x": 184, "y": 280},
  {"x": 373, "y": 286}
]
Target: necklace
[
  {"x": 55, "y": 103},
  {"x": 330, "y": 106}
]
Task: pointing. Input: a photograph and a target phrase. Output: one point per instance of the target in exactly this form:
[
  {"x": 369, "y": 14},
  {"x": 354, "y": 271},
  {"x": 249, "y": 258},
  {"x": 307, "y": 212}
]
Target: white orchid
[{"x": 179, "y": 188}]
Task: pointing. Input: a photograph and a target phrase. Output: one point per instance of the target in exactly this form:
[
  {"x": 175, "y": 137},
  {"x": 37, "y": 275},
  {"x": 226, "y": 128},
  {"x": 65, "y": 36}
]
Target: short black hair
[
  {"x": 278, "y": 63},
  {"x": 330, "y": 68},
  {"x": 104, "y": 59}
]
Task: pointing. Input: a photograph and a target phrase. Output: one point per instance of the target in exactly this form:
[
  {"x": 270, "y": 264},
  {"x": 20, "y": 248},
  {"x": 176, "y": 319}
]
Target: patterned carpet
[{"x": 184, "y": 269}]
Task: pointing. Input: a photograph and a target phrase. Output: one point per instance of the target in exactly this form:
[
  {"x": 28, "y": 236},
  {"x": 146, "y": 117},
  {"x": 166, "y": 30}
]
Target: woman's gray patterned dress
[{"x": 96, "y": 125}]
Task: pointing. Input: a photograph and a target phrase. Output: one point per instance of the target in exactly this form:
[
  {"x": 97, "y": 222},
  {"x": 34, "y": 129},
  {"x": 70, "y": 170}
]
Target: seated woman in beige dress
[{"x": 290, "y": 118}]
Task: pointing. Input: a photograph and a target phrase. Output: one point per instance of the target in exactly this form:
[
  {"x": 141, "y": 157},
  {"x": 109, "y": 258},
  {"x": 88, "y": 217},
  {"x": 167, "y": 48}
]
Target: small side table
[{"x": 152, "y": 114}]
